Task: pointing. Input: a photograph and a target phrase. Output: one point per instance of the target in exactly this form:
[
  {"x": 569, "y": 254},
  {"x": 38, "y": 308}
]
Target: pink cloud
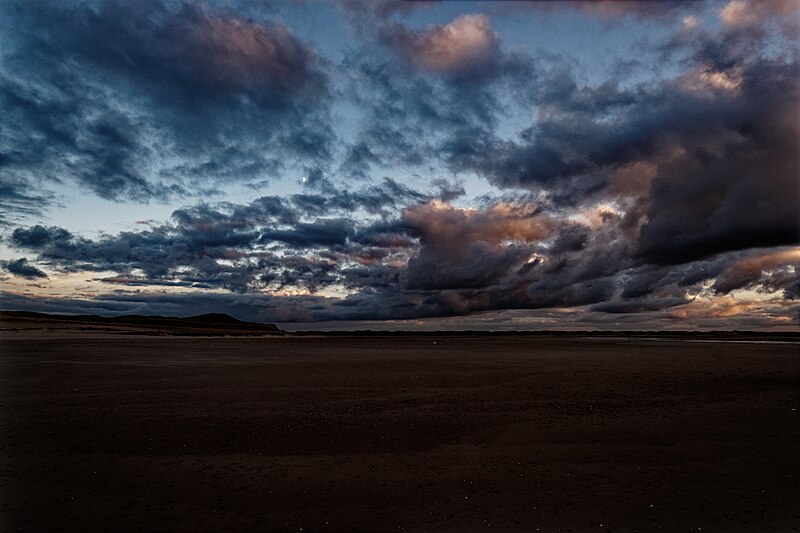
[
  {"x": 772, "y": 269},
  {"x": 465, "y": 44},
  {"x": 236, "y": 51},
  {"x": 445, "y": 226},
  {"x": 750, "y": 14}
]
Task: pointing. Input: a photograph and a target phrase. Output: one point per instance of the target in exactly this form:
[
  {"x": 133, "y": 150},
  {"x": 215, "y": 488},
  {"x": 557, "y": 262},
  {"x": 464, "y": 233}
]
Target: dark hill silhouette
[
  {"x": 216, "y": 318},
  {"x": 206, "y": 324}
]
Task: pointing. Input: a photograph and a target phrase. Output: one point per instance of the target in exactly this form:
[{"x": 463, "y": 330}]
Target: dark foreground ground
[{"x": 389, "y": 434}]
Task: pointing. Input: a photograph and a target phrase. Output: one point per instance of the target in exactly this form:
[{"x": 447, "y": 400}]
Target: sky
[{"x": 584, "y": 165}]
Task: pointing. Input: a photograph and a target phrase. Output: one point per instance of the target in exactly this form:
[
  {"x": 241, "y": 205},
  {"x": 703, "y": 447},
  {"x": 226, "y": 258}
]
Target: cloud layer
[
  {"x": 604, "y": 195},
  {"x": 141, "y": 102}
]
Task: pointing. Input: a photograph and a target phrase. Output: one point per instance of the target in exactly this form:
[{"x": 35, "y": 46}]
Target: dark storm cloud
[
  {"x": 97, "y": 92},
  {"x": 645, "y": 280},
  {"x": 770, "y": 271},
  {"x": 187, "y": 251},
  {"x": 311, "y": 273},
  {"x": 792, "y": 291},
  {"x": 639, "y": 305},
  {"x": 723, "y": 144},
  {"x": 21, "y": 267},
  {"x": 328, "y": 233},
  {"x": 500, "y": 257},
  {"x": 652, "y": 287},
  {"x": 580, "y": 275},
  {"x": 39, "y": 236},
  {"x": 372, "y": 274},
  {"x": 580, "y": 130},
  {"x": 462, "y": 249},
  {"x": 571, "y": 238},
  {"x": 737, "y": 190},
  {"x": 391, "y": 235},
  {"x": 434, "y": 260}
]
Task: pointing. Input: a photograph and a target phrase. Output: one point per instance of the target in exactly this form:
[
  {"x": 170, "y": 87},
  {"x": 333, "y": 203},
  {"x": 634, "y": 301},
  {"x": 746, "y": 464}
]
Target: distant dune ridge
[
  {"x": 206, "y": 324},
  {"x": 220, "y": 324}
]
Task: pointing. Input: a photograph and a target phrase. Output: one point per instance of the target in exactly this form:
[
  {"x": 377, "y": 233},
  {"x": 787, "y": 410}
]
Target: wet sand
[{"x": 390, "y": 434}]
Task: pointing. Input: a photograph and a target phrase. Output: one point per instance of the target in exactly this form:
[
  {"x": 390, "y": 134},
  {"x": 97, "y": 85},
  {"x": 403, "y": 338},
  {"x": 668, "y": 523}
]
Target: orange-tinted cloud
[
  {"x": 465, "y": 44},
  {"x": 470, "y": 248},
  {"x": 444, "y": 225},
  {"x": 752, "y": 14},
  {"x": 775, "y": 270},
  {"x": 240, "y": 50}
]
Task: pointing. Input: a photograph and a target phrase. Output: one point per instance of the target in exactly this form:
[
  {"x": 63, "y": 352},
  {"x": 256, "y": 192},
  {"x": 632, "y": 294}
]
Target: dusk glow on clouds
[
  {"x": 498, "y": 165},
  {"x": 466, "y": 43}
]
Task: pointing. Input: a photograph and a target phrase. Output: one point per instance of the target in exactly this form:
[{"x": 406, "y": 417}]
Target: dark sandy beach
[{"x": 389, "y": 434}]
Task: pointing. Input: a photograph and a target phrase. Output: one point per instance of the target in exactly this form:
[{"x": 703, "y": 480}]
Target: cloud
[
  {"x": 18, "y": 200},
  {"x": 636, "y": 8},
  {"x": 364, "y": 15},
  {"x": 324, "y": 313},
  {"x": 206, "y": 254},
  {"x": 431, "y": 85},
  {"x": 735, "y": 188},
  {"x": 328, "y": 232},
  {"x": 465, "y": 248},
  {"x": 270, "y": 242},
  {"x": 607, "y": 199},
  {"x": 690, "y": 22},
  {"x": 639, "y": 305},
  {"x": 145, "y": 101},
  {"x": 769, "y": 271},
  {"x": 465, "y": 46},
  {"x": 383, "y": 8},
  {"x": 21, "y": 267},
  {"x": 705, "y": 153},
  {"x": 428, "y": 259},
  {"x": 608, "y": 11},
  {"x": 38, "y": 236},
  {"x": 753, "y": 15}
]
